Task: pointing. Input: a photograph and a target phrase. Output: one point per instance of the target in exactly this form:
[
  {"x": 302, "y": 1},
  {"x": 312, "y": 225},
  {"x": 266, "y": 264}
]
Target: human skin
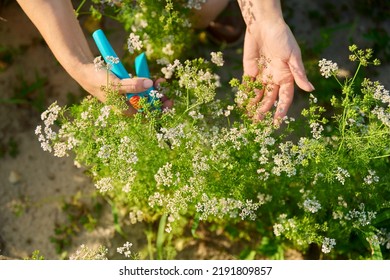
[
  {"x": 208, "y": 12},
  {"x": 268, "y": 39},
  {"x": 58, "y": 25}
]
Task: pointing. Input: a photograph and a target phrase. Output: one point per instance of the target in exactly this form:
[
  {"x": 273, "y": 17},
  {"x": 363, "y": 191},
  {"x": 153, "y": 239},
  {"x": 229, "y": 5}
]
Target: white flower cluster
[
  {"x": 111, "y": 60},
  {"x": 199, "y": 163},
  {"x": 126, "y": 151},
  {"x": 110, "y": 2},
  {"x": 173, "y": 136},
  {"x": 284, "y": 225},
  {"x": 341, "y": 174},
  {"x": 85, "y": 253},
  {"x": 217, "y": 58},
  {"x": 104, "y": 152},
  {"x": 102, "y": 119},
  {"x": 164, "y": 175},
  {"x": 195, "y": 115},
  {"x": 233, "y": 208},
  {"x": 284, "y": 161},
  {"x": 125, "y": 249},
  {"x": 99, "y": 63},
  {"x": 195, "y": 4},
  {"x": 371, "y": 178},
  {"x": 316, "y": 130},
  {"x": 49, "y": 117},
  {"x": 360, "y": 217},
  {"x": 104, "y": 184},
  {"x": 228, "y": 111},
  {"x": 134, "y": 43},
  {"x": 177, "y": 201},
  {"x": 170, "y": 69},
  {"x": 167, "y": 49},
  {"x": 311, "y": 205},
  {"x": 137, "y": 216},
  {"x": 382, "y": 115},
  {"x": 46, "y": 134},
  {"x": 382, "y": 94},
  {"x": 241, "y": 97},
  {"x": 155, "y": 94},
  {"x": 327, "y": 245},
  {"x": 327, "y": 67},
  {"x": 384, "y": 238},
  {"x": 234, "y": 136}
]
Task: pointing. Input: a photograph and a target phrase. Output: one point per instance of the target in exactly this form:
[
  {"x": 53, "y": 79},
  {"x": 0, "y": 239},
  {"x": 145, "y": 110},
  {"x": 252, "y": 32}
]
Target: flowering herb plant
[{"x": 321, "y": 179}]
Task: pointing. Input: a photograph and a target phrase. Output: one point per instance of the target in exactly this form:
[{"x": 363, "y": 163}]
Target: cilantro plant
[{"x": 321, "y": 179}]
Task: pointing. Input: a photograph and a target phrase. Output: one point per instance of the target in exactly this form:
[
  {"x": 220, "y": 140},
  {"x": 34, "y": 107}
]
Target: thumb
[
  {"x": 135, "y": 85},
  {"x": 298, "y": 71}
]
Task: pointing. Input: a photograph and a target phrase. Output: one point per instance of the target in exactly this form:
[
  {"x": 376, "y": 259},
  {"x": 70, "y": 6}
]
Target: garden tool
[{"x": 141, "y": 68}]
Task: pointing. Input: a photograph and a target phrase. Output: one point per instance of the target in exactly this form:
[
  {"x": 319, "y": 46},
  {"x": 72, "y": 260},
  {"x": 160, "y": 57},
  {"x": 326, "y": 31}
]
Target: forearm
[
  {"x": 257, "y": 11},
  {"x": 58, "y": 25}
]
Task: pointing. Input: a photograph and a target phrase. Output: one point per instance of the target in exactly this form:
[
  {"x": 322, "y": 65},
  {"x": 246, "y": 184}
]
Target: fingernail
[
  {"x": 147, "y": 83},
  {"x": 312, "y": 87}
]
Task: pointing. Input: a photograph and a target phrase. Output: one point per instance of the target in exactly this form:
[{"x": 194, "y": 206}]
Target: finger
[
  {"x": 286, "y": 96},
  {"x": 250, "y": 56},
  {"x": 158, "y": 82},
  {"x": 251, "y": 107},
  {"x": 167, "y": 104},
  {"x": 298, "y": 70},
  {"x": 267, "y": 102},
  {"x": 134, "y": 85}
]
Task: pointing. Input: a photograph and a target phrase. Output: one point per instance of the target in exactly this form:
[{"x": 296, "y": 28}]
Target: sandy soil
[{"x": 33, "y": 184}]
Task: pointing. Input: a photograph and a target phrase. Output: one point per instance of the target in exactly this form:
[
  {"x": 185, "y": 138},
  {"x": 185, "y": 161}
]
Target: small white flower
[
  {"x": 112, "y": 60},
  {"x": 155, "y": 94},
  {"x": 371, "y": 178},
  {"x": 134, "y": 43},
  {"x": 125, "y": 249},
  {"x": 316, "y": 130},
  {"x": 168, "y": 49},
  {"x": 327, "y": 67},
  {"x": 328, "y": 244},
  {"x": 104, "y": 185},
  {"x": 217, "y": 58},
  {"x": 195, "y": 4},
  {"x": 341, "y": 174},
  {"x": 164, "y": 175},
  {"x": 38, "y": 130},
  {"x": 99, "y": 63},
  {"x": 311, "y": 205}
]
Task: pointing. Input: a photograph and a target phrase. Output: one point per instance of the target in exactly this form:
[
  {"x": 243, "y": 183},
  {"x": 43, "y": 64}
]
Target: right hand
[{"x": 93, "y": 83}]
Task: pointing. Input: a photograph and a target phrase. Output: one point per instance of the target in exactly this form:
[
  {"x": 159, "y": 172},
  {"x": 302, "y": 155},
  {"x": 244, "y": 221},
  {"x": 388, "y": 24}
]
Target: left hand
[{"x": 274, "y": 46}]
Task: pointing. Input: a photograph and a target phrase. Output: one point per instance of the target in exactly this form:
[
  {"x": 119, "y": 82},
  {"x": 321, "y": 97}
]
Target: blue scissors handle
[{"x": 141, "y": 64}]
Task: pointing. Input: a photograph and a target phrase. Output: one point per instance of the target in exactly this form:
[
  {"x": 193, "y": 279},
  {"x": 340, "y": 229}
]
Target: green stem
[
  {"x": 370, "y": 136},
  {"x": 191, "y": 107},
  {"x": 346, "y": 106},
  {"x": 115, "y": 215},
  {"x": 77, "y": 12},
  {"x": 149, "y": 237},
  {"x": 161, "y": 236},
  {"x": 188, "y": 100},
  {"x": 382, "y": 156},
  {"x": 357, "y": 71}
]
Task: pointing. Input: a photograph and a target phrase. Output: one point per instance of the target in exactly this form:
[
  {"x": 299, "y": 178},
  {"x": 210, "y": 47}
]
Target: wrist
[{"x": 261, "y": 11}]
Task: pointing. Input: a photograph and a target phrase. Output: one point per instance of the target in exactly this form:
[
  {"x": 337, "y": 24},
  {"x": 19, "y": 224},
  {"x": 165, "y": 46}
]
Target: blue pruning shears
[{"x": 141, "y": 66}]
